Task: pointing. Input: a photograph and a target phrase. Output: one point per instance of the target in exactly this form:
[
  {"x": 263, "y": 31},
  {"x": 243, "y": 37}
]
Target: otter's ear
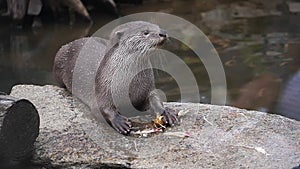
[{"x": 119, "y": 34}]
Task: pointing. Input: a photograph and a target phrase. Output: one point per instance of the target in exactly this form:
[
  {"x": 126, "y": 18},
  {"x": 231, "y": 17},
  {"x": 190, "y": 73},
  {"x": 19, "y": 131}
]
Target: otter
[{"x": 125, "y": 51}]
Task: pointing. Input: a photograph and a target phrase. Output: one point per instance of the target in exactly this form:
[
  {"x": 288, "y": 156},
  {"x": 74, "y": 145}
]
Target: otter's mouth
[{"x": 161, "y": 43}]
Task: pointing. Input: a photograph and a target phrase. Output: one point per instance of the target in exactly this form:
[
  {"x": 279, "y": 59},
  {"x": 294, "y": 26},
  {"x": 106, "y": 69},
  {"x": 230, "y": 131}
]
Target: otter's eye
[{"x": 146, "y": 32}]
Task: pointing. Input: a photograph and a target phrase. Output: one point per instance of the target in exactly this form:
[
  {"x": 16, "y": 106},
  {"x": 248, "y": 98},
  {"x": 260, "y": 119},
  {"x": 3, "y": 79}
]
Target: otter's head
[{"x": 138, "y": 36}]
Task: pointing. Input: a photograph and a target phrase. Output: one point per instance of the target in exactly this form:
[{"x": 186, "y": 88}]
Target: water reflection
[
  {"x": 259, "y": 94},
  {"x": 258, "y": 43},
  {"x": 27, "y": 55}
]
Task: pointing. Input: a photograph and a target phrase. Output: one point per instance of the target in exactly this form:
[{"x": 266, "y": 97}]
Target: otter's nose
[{"x": 163, "y": 34}]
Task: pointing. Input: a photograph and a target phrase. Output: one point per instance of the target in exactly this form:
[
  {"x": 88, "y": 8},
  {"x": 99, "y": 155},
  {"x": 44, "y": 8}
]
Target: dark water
[{"x": 258, "y": 43}]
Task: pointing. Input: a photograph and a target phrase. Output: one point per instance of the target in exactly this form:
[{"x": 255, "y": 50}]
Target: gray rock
[{"x": 220, "y": 137}]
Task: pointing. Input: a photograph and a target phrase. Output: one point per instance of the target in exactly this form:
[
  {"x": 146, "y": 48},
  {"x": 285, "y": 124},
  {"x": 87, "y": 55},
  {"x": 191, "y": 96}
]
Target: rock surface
[{"x": 220, "y": 137}]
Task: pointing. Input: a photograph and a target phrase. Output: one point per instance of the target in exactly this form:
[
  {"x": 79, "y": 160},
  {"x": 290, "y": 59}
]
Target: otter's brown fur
[{"x": 122, "y": 56}]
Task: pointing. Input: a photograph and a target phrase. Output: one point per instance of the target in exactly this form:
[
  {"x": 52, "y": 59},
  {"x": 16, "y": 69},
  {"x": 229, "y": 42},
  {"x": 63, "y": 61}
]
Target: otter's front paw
[
  {"x": 121, "y": 124},
  {"x": 169, "y": 117}
]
